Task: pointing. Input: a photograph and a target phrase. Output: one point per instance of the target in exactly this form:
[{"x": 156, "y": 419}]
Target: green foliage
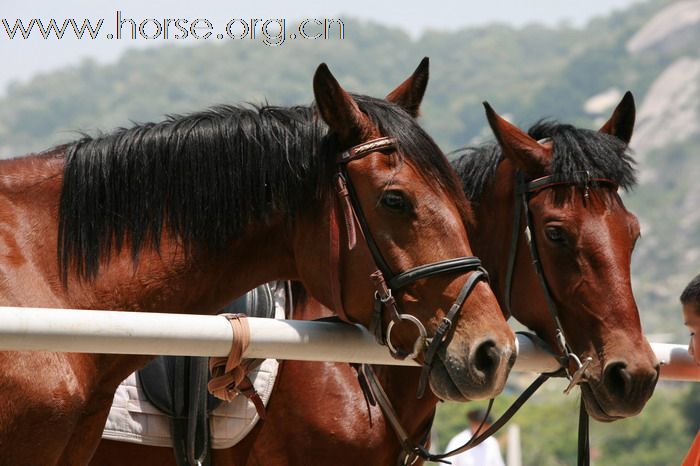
[
  {"x": 660, "y": 435},
  {"x": 690, "y": 409}
]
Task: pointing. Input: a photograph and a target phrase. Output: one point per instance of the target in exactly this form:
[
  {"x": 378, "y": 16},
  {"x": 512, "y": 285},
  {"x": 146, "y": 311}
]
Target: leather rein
[
  {"x": 386, "y": 283},
  {"x": 524, "y": 191}
]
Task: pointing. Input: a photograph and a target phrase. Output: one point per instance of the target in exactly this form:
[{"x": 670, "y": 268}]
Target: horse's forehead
[
  {"x": 396, "y": 169},
  {"x": 579, "y": 205}
]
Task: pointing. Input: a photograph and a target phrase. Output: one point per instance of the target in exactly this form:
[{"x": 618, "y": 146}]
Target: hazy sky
[{"x": 22, "y": 59}]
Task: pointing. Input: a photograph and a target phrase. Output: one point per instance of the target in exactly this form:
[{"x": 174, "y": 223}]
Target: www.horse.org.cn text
[{"x": 271, "y": 31}]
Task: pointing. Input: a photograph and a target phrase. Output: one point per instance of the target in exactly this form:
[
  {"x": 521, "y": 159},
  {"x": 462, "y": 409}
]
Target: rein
[
  {"x": 375, "y": 394},
  {"x": 385, "y": 281}
]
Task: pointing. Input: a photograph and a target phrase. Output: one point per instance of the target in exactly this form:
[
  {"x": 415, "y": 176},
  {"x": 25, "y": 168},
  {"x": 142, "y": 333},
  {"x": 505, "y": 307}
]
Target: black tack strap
[
  {"x": 584, "y": 454},
  {"x": 442, "y": 332}
]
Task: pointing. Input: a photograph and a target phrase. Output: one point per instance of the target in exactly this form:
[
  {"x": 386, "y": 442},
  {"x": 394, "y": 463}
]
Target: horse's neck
[
  {"x": 169, "y": 280},
  {"x": 399, "y": 383},
  {"x": 30, "y": 189}
]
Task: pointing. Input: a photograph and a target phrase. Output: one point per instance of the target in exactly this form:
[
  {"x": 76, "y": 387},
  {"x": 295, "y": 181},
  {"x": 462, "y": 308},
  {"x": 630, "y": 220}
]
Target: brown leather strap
[
  {"x": 334, "y": 265},
  {"x": 384, "y": 295},
  {"x": 367, "y": 148},
  {"x": 247, "y": 389},
  {"x": 346, "y": 207},
  {"x": 229, "y": 371}
]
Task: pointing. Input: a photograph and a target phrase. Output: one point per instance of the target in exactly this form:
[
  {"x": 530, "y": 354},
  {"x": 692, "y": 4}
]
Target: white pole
[
  {"x": 84, "y": 331},
  {"x": 676, "y": 362},
  {"x": 513, "y": 453}
]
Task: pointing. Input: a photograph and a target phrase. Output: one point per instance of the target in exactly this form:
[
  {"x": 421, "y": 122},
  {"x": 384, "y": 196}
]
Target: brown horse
[
  {"x": 582, "y": 238},
  {"x": 585, "y": 239},
  {"x": 187, "y": 214}
]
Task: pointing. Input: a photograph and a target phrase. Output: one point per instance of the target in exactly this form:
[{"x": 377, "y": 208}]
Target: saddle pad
[{"x": 133, "y": 419}]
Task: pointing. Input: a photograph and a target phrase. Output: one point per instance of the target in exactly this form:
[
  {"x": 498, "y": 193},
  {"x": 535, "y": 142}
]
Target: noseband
[{"x": 386, "y": 283}]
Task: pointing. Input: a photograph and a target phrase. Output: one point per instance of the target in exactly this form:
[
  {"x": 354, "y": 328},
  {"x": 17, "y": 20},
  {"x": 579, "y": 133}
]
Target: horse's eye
[
  {"x": 395, "y": 201},
  {"x": 556, "y": 235}
]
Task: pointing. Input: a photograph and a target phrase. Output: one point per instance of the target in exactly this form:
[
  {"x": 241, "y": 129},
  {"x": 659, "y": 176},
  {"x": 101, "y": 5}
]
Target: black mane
[
  {"x": 576, "y": 151},
  {"x": 203, "y": 177}
]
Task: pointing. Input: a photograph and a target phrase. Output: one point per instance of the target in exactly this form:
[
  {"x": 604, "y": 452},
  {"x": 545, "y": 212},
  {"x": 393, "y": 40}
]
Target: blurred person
[{"x": 487, "y": 453}]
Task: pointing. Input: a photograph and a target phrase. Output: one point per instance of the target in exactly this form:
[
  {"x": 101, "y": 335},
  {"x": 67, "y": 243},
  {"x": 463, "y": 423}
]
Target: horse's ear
[
  {"x": 621, "y": 123},
  {"x": 409, "y": 94},
  {"x": 337, "y": 108},
  {"x": 529, "y": 155}
]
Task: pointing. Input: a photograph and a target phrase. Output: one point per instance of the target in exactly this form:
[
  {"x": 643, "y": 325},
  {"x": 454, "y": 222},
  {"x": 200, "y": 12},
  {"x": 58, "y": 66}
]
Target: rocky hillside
[{"x": 667, "y": 144}]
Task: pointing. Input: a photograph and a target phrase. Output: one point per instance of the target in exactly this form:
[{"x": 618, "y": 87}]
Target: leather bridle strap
[
  {"x": 584, "y": 447},
  {"x": 463, "y": 264},
  {"x": 379, "y": 395},
  {"x": 512, "y": 251},
  {"x": 384, "y": 279},
  {"x": 346, "y": 205},
  {"x": 550, "y": 181},
  {"x": 523, "y": 191},
  {"x": 442, "y": 331},
  {"x": 500, "y": 422}
]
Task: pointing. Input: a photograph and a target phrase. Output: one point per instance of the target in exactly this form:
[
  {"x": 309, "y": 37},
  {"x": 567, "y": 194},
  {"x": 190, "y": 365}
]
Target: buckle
[{"x": 580, "y": 375}]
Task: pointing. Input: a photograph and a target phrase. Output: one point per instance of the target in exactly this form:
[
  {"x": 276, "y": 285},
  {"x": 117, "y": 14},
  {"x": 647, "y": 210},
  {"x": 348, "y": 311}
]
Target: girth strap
[{"x": 189, "y": 426}]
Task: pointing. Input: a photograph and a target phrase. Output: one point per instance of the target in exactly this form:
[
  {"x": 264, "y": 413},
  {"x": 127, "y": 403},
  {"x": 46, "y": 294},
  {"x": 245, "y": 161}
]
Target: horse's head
[
  {"x": 397, "y": 205},
  {"x": 584, "y": 236}
]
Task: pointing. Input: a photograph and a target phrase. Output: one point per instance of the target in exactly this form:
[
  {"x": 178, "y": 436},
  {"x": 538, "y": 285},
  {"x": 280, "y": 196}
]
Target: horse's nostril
[
  {"x": 487, "y": 358},
  {"x": 618, "y": 379}
]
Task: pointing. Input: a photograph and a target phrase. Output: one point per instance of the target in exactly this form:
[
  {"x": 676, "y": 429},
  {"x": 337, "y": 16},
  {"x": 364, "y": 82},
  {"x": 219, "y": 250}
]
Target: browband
[
  {"x": 549, "y": 181},
  {"x": 367, "y": 148}
]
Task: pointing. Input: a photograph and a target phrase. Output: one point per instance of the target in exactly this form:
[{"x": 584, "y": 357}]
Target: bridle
[
  {"x": 385, "y": 281},
  {"x": 523, "y": 193}
]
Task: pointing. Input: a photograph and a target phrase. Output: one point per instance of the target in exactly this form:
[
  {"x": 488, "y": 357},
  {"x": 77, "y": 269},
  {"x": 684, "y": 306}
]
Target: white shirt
[{"x": 487, "y": 453}]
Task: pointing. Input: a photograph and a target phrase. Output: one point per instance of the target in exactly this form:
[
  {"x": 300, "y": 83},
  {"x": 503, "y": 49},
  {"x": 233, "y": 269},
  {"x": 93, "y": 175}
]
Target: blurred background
[{"x": 544, "y": 58}]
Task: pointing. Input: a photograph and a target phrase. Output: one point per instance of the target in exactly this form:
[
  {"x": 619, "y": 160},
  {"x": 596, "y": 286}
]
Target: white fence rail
[{"x": 83, "y": 331}]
